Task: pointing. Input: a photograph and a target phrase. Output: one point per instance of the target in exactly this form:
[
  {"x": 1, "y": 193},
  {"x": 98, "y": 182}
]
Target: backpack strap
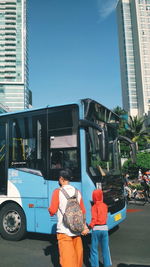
[
  {"x": 76, "y": 193},
  {"x": 67, "y": 195}
]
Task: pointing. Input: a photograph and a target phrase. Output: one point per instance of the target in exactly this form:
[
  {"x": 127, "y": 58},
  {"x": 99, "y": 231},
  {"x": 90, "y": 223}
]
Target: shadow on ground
[{"x": 52, "y": 250}]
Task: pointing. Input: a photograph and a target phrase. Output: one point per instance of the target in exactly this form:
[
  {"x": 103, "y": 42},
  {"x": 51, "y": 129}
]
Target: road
[{"x": 129, "y": 245}]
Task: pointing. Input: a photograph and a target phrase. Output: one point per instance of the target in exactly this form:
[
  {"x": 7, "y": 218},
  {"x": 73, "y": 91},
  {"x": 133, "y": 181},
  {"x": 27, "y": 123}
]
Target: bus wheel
[{"x": 12, "y": 222}]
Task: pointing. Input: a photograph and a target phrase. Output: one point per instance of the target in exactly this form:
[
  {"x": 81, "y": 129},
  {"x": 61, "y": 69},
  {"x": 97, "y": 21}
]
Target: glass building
[
  {"x": 133, "y": 18},
  {"x": 3, "y": 109},
  {"x": 14, "y": 91}
]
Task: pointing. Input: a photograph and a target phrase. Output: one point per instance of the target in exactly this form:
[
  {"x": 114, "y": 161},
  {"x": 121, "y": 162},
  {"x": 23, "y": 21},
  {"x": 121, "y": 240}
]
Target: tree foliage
[
  {"x": 119, "y": 111},
  {"x": 142, "y": 162},
  {"x": 133, "y": 128}
]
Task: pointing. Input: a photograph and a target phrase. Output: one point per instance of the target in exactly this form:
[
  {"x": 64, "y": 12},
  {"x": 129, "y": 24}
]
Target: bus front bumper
[{"x": 116, "y": 218}]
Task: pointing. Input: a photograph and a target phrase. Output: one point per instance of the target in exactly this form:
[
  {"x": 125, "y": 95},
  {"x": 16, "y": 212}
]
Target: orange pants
[{"x": 70, "y": 250}]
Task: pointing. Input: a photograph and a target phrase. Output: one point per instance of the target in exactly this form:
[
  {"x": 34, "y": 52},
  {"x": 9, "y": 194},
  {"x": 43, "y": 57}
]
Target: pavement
[{"x": 130, "y": 243}]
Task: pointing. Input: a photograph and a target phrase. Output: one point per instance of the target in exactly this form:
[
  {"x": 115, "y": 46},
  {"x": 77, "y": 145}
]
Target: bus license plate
[{"x": 118, "y": 217}]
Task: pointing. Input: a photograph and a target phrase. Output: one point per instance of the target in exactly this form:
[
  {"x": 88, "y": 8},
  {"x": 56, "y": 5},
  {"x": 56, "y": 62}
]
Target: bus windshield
[
  {"x": 104, "y": 118},
  {"x": 96, "y": 165}
]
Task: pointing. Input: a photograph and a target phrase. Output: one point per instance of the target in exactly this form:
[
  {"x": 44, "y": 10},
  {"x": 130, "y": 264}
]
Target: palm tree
[
  {"x": 119, "y": 111},
  {"x": 135, "y": 130},
  {"x": 123, "y": 116}
]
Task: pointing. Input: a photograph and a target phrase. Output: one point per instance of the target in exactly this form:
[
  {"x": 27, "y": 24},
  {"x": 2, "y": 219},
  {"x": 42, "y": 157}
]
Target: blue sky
[{"x": 73, "y": 52}]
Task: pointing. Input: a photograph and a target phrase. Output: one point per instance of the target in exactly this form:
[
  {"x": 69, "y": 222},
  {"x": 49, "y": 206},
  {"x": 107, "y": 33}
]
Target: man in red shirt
[{"x": 69, "y": 244}]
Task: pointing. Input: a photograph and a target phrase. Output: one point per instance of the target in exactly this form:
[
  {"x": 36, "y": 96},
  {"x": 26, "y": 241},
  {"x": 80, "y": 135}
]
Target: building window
[{"x": 141, "y": 1}]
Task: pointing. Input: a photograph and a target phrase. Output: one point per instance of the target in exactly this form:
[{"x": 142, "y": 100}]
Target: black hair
[{"x": 66, "y": 174}]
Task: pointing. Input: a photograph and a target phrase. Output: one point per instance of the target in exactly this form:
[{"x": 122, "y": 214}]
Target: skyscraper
[
  {"x": 14, "y": 92},
  {"x": 134, "y": 44}
]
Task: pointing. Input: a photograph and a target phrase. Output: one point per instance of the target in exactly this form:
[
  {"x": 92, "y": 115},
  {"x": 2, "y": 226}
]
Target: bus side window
[
  {"x": 64, "y": 154},
  {"x": 56, "y": 159},
  {"x": 28, "y": 143},
  {"x": 70, "y": 158},
  {"x": 66, "y": 158},
  {"x": 63, "y": 134}
]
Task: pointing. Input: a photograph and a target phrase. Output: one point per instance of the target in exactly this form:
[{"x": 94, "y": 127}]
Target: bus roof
[{"x": 86, "y": 101}]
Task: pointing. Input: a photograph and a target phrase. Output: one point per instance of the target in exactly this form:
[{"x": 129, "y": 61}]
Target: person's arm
[
  {"x": 82, "y": 206},
  {"x": 94, "y": 217},
  {"x": 86, "y": 229},
  {"x": 81, "y": 203},
  {"x": 54, "y": 205}
]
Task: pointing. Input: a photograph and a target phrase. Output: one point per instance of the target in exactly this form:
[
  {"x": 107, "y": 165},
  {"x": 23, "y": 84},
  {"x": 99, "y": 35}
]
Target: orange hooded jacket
[{"x": 99, "y": 209}]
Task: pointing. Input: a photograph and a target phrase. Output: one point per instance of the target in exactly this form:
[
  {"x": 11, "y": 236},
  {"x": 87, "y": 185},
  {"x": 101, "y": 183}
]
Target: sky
[{"x": 73, "y": 52}]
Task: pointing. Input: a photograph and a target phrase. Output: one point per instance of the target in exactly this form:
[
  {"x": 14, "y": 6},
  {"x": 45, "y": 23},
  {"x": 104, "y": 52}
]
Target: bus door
[{"x": 3, "y": 159}]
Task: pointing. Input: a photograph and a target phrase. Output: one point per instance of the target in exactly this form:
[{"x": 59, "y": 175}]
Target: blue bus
[{"x": 36, "y": 144}]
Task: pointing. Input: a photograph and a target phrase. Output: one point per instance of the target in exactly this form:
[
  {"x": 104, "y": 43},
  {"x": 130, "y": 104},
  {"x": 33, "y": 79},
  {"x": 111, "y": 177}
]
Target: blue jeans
[{"x": 100, "y": 237}]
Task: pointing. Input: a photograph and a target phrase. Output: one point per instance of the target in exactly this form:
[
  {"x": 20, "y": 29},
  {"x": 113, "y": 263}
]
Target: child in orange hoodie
[{"x": 99, "y": 228}]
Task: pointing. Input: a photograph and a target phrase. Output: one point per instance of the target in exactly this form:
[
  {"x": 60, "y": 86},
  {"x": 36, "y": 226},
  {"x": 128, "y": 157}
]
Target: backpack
[{"x": 73, "y": 217}]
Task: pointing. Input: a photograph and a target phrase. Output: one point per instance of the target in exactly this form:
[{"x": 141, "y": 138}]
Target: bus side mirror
[
  {"x": 132, "y": 147},
  {"x": 133, "y": 152},
  {"x": 103, "y": 140}
]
